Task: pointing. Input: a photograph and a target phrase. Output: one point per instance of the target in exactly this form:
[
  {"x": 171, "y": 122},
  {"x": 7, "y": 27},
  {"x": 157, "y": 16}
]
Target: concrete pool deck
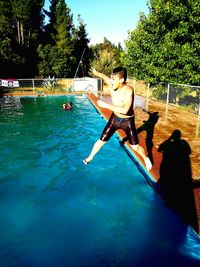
[{"x": 169, "y": 120}]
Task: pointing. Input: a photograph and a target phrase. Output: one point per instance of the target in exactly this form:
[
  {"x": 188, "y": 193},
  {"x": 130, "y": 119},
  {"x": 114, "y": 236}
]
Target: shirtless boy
[{"x": 122, "y": 117}]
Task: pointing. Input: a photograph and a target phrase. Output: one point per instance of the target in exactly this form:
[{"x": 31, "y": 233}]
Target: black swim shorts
[{"x": 115, "y": 123}]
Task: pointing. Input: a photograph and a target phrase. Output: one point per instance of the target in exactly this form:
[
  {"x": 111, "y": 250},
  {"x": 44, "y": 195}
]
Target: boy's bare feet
[
  {"x": 148, "y": 164},
  {"x": 87, "y": 160}
]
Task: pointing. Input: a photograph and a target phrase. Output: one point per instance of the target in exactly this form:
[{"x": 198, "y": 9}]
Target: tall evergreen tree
[
  {"x": 20, "y": 30},
  {"x": 64, "y": 44},
  {"x": 8, "y": 47},
  {"x": 58, "y": 56},
  {"x": 35, "y": 27},
  {"x": 81, "y": 49},
  {"x": 50, "y": 27},
  {"x": 28, "y": 20}
]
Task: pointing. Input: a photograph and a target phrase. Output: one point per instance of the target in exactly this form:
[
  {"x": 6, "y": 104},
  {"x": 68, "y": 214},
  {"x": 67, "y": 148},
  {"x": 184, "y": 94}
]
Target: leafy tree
[
  {"x": 47, "y": 56},
  {"x": 8, "y": 55},
  {"x": 28, "y": 20},
  {"x": 165, "y": 45},
  {"x": 20, "y": 30},
  {"x": 28, "y": 47},
  {"x": 106, "y": 56},
  {"x": 6, "y": 19},
  {"x": 34, "y": 30},
  {"x": 60, "y": 52}
]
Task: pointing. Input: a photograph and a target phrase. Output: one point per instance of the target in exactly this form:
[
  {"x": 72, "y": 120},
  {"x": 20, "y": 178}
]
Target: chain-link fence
[
  {"x": 49, "y": 84},
  {"x": 184, "y": 96}
]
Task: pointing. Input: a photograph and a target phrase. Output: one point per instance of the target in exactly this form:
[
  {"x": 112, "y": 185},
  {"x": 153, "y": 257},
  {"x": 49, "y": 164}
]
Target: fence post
[
  {"x": 147, "y": 100},
  {"x": 167, "y": 100},
  {"x": 134, "y": 86},
  {"x": 33, "y": 83},
  {"x": 197, "y": 126},
  {"x": 101, "y": 87},
  {"x": 168, "y": 90}
]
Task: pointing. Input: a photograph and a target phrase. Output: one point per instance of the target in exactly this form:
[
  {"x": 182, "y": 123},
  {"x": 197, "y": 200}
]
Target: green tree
[
  {"x": 50, "y": 30},
  {"x": 64, "y": 26},
  {"x": 28, "y": 20},
  {"x": 165, "y": 45},
  {"x": 106, "y": 56},
  {"x": 47, "y": 55},
  {"x": 81, "y": 49},
  {"x": 8, "y": 51},
  {"x": 59, "y": 57},
  {"x": 20, "y": 29}
]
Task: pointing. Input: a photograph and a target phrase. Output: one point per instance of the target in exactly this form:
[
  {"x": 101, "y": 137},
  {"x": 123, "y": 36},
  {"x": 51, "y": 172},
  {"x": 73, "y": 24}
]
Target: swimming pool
[{"x": 55, "y": 211}]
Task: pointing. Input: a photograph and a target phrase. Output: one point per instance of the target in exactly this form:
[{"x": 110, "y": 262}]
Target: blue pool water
[{"x": 57, "y": 212}]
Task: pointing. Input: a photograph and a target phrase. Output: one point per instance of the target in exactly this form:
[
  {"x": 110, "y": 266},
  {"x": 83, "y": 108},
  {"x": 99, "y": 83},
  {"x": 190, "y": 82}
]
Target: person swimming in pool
[
  {"x": 122, "y": 116},
  {"x": 68, "y": 106}
]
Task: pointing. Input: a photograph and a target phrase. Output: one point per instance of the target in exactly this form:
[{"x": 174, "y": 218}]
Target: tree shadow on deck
[{"x": 175, "y": 180}]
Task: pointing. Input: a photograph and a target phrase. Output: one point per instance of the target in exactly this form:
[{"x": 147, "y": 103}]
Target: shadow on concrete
[
  {"x": 175, "y": 180},
  {"x": 148, "y": 126}
]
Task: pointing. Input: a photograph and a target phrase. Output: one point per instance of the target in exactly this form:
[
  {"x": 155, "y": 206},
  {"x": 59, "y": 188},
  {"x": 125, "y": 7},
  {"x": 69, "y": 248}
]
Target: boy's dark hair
[{"x": 121, "y": 71}]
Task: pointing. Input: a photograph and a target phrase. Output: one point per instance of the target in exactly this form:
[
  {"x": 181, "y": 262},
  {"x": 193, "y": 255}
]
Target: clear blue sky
[{"x": 107, "y": 18}]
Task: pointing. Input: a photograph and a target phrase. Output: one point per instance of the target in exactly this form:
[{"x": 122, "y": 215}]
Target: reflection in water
[{"x": 8, "y": 102}]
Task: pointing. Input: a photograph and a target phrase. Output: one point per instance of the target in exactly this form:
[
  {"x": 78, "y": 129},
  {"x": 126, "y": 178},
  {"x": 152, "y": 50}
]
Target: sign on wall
[
  {"x": 85, "y": 84},
  {"x": 9, "y": 83}
]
